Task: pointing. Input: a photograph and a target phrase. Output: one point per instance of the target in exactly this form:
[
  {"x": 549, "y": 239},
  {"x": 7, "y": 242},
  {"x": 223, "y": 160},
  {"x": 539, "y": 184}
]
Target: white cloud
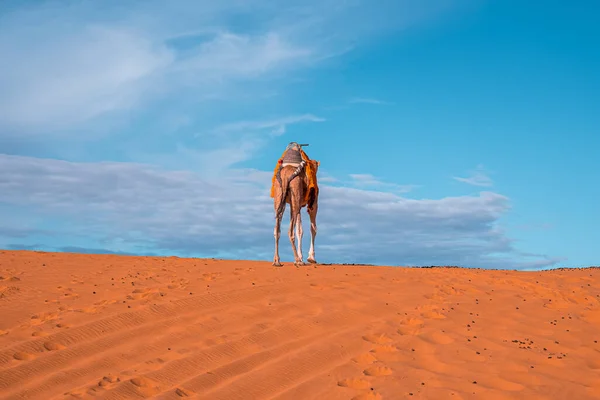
[
  {"x": 477, "y": 178},
  {"x": 368, "y": 180},
  {"x": 277, "y": 125},
  {"x": 71, "y": 68},
  {"x": 364, "y": 100},
  {"x": 153, "y": 210},
  {"x": 223, "y": 147},
  {"x": 326, "y": 178},
  {"x": 230, "y": 56},
  {"x": 68, "y": 64},
  {"x": 215, "y": 161},
  {"x": 59, "y": 81},
  {"x": 365, "y": 179}
]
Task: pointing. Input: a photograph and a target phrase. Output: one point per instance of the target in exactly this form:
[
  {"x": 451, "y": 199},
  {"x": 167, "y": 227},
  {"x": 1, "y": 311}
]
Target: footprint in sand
[
  {"x": 138, "y": 294},
  {"x": 3, "y": 332},
  {"x": 318, "y": 286},
  {"x": 75, "y": 394},
  {"x": 86, "y": 310},
  {"x": 384, "y": 349},
  {"x": 105, "y": 302},
  {"x": 183, "y": 392},
  {"x": 377, "y": 371},
  {"x": 53, "y": 346},
  {"x": 6, "y": 291},
  {"x": 386, "y": 353},
  {"x": 68, "y": 293},
  {"x": 42, "y": 318},
  {"x": 108, "y": 381},
  {"x": 178, "y": 283},
  {"x": 95, "y": 390},
  {"x": 140, "y": 381},
  {"x": 366, "y": 358},
  {"x": 434, "y": 296},
  {"x": 368, "y": 396},
  {"x": 39, "y": 333},
  {"x": 432, "y": 314},
  {"x": 410, "y": 327},
  {"x": 354, "y": 383},
  {"x": 152, "y": 365},
  {"x": 450, "y": 291},
  {"x": 22, "y": 356},
  {"x": 210, "y": 276},
  {"x": 10, "y": 279},
  {"x": 377, "y": 339},
  {"x": 146, "y": 386}
]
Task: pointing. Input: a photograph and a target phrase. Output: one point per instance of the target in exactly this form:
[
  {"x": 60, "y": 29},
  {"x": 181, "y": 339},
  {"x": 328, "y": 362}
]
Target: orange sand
[{"x": 119, "y": 327}]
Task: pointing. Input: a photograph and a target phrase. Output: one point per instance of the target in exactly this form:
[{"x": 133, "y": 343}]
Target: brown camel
[{"x": 296, "y": 185}]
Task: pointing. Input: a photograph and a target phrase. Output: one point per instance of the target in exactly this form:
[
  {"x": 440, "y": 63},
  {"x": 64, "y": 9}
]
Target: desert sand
[{"x": 120, "y": 327}]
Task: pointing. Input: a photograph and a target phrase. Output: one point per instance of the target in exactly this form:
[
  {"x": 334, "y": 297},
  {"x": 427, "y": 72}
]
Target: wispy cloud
[
  {"x": 228, "y": 56},
  {"x": 45, "y": 84},
  {"x": 364, "y": 100},
  {"x": 370, "y": 181},
  {"x": 128, "y": 69},
  {"x": 45, "y": 80},
  {"x": 324, "y": 177},
  {"x": 65, "y": 65},
  {"x": 476, "y": 178},
  {"x": 222, "y": 147},
  {"x": 277, "y": 126}
]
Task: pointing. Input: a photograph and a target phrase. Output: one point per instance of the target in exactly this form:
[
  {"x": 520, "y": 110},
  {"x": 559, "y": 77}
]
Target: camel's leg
[
  {"x": 294, "y": 210},
  {"x": 312, "y": 213},
  {"x": 277, "y": 234},
  {"x": 299, "y": 234}
]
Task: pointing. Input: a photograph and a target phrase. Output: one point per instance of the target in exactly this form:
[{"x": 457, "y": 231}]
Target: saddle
[{"x": 291, "y": 155}]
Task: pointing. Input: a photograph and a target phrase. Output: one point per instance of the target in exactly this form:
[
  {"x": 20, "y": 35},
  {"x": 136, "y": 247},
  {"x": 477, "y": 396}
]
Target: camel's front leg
[
  {"x": 313, "y": 232},
  {"x": 277, "y": 234},
  {"x": 299, "y": 234}
]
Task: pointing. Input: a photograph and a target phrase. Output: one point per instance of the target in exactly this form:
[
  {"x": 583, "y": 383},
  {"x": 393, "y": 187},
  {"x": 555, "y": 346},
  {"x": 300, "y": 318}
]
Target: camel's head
[{"x": 293, "y": 146}]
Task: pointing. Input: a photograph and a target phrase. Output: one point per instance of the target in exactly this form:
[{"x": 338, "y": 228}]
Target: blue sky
[{"x": 452, "y": 132}]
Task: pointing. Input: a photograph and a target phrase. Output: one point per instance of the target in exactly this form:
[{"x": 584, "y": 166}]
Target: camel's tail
[{"x": 285, "y": 186}]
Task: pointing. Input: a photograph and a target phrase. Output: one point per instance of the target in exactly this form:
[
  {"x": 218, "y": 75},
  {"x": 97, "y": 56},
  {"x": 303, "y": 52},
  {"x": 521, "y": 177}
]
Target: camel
[{"x": 295, "y": 183}]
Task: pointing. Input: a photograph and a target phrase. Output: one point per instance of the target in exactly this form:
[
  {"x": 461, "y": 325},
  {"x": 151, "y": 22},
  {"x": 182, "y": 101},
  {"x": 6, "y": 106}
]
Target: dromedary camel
[{"x": 295, "y": 183}]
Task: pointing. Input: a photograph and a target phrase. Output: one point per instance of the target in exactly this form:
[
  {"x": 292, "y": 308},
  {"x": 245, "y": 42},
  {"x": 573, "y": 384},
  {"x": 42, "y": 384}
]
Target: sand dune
[{"x": 115, "y": 327}]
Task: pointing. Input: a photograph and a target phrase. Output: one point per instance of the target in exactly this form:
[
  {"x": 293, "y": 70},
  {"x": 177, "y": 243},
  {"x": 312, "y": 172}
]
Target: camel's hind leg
[
  {"x": 294, "y": 211},
  {"x": 299, "y": 234},
  {"x": 277, "y": 235},
  {"x": 312, "y": 213}
]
